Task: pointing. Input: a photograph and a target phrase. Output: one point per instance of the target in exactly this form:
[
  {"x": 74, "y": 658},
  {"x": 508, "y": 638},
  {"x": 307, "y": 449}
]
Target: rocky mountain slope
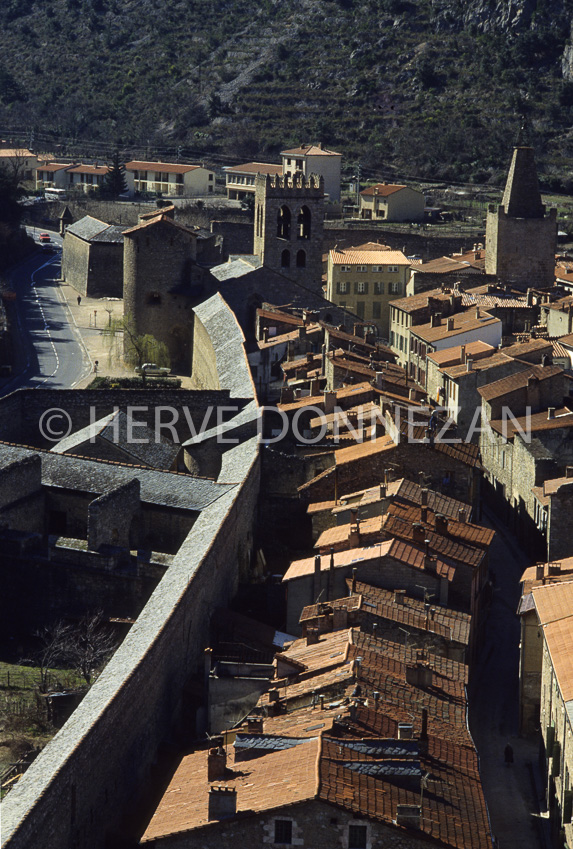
[{"x": 434, "y": 88}]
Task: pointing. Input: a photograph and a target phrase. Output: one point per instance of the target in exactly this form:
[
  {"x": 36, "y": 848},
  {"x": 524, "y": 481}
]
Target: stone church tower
[
  {"x": 158, "y": 257},
  {"x": 289, "y": 218},
  {"x": 521, "y": 236}
]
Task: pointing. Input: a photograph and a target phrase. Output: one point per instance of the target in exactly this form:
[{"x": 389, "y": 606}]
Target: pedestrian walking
[
  {"x": 79, "y": 300},
  {"x": 508, "y": 755}
]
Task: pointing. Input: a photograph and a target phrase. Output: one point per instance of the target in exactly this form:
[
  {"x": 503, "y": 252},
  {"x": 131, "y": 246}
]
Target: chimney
[
  {"x": 469, "y": 364},
  {"x": 441, "y": 523},
  {"x": 354, "y": 536},
  {"x": 312, "y": 637},
  {"x": 551, "y": 412},
  {"x": 477, "y": 311},
  {"x": 316, "y": 585},
  {"x": 290, "y": 350},
  {"x": 569, "y": 471},
  {"x": 399, "y": 596},
  {"x": 463, "y": 354},
  {"x": 207, "y": 659},
  {"x": 353, "y": 590},
  {"x": 424, "y": 497},
  {"x": 255, "y": 724},
  {"x": 405, "y": 731},
  {"x": 450, "y": 325},
  {"x": 339, "y": 618},
  {"x": 382, "y": 490},
  {"x": 419, "y": 675},
  {"x": 423, "y": 514},
  {"x": 409, "y": 816},
  {"x": 314, "y": 387},
  {"x": 331, "y": 575},
  {"x": 424, "y": 728},
  {"x": 216, "y": 764},
  {"x": 329, "y": 402},
  {"x": 309, "y": 356},
  {"x": 301, "y": 333},
  {"x": 539, "y": 571},
  {"x": 222, "y": 802},
  {"x": 321, "y": 700},
  {"x": 436, "y": 319},
  {"x": 462, "y": 516},
  {"x": 418, "y": 532},
  {"x": 265, "y": 334},
  {"x": 376, "y": 697}
]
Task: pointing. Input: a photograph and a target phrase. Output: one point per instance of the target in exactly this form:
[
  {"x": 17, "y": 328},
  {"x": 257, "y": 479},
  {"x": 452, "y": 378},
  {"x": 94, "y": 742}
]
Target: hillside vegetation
[{"x": 434, "y": 88}]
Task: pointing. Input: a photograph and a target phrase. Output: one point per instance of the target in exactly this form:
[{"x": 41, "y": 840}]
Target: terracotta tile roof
[
  {"x": 554, "y": 602},
  {"x": 369, "y": 529},
  {"x": 460, "y": 371},
  {"x": 396, "y": 525},
  {"x": 537, "y": 422},
  {"x": 89, "y": 169},
  {"x": 520, "y": 349},
  {"x": 280, "y": 317},
  {"x": 330, "y": 651},
  {"x": 320, "y": 507},
  {"x": 382, "y": 190},
  {"x": 550, "y": 487},
  {"x": 354, "y": 256},
  {"x": 453, "y": 356},
  {"x": 160, "y": 218},
  {"x": 52, "y": 167},
  {"x": 499, "y": 388},
  {"x": 551, "y": 573},
  {"x": 359, "y": 392},
  {"x": 463, "y": 322},
  {"x": 420, "y": 301},
  {"x": 554, "y": 605},
  {"x": 448, "y": 623},
  {"x": 309, "y": 150},
  {"x": 163, "y": 167},
  {"x": 411, "y": 493},
  {"x": 397, "y": 549},
  {"x": 279, "y": 778},
  {"x": 364, "y": 449},
  {"x": 561, "y": 304},
  {"x": 467, "y": 533},
  {"x": 358, "y": 765},
  {"x": 491, "y": 301},
  {"x": 254, "y": 168},
  {"x": 16, "y": 152},
  {"x": 312, "y": 611},
  {"x": 450, "y": 265}
]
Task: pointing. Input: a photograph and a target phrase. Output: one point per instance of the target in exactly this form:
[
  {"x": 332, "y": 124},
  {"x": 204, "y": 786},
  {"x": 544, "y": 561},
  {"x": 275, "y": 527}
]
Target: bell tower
[
  {"x": 521, "y": 236},
  {"x": 289, "y": 220}
]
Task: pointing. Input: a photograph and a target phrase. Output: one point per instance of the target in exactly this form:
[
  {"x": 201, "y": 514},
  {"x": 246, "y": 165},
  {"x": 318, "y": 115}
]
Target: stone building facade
[
  {"x": 521, "y": 235},
  {"x": 92, "y": 258},
  {"x": 289, "y": 216},
  {"x": 159, "y": 272}
]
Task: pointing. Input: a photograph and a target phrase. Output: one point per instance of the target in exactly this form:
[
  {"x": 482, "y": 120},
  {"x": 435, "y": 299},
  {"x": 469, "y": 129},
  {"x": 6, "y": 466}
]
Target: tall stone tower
[
  {"x": 158, "y": 258},
  {"x": 289, "y": 219},
  {"x": 521, "y": 236}
]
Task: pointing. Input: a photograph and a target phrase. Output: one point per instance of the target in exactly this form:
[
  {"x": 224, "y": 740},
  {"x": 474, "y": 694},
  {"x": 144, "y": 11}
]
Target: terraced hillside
[{"x": 436, "y": 88}]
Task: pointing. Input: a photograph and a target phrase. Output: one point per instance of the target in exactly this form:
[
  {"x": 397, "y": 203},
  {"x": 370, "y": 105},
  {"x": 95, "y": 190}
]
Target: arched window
[
  {"x": 301, "y": 259},
  {"x": 283, "y": 222},
  {"x": 303, "y": 223},
  {"x": 285, "y": 259}
]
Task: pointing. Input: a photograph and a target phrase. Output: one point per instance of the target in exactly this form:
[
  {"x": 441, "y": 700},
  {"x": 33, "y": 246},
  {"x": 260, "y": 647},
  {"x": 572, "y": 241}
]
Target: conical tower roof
[{"x": 522, "y": 198}]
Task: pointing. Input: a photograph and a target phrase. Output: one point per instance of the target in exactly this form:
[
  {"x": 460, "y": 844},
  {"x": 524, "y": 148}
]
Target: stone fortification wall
[
  {"x": 23, "y": 477},
  {"x": 77, "y": 792},
  {"x": 21, "y": 412},
  {"x": 93, "y": 269},
  {"x": 110, "y": 517}
]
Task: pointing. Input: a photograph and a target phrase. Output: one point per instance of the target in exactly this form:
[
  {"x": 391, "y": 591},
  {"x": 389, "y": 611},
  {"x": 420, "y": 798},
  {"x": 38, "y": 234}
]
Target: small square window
[
  {"x": 357, "y": 837},
  {"x": 283, "y": 831}
]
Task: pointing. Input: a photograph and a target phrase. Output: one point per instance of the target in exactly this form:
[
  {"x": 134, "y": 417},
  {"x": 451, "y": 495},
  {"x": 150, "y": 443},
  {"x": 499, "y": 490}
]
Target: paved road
[
  {"x": 494, "y": 702},
  {"x": 47, "y": 346}
]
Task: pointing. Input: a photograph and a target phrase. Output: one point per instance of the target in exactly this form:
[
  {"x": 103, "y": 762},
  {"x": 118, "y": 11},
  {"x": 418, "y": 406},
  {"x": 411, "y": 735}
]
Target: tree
[
  {"x": 138, "y": 348},
  {"x": 114, "y": 183},
  {"x": 85, "y": 647}
]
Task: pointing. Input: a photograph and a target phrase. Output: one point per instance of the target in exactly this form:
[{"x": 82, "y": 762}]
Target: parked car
[
  {"x": 152, "y": 370},
  {"x": 45, "y": 237}
]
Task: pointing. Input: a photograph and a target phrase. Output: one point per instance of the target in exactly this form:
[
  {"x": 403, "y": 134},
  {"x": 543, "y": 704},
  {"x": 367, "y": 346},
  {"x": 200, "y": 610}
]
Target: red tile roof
[
  {"x": 382, "y": 190},
  {"x": 163, "y": 167}
]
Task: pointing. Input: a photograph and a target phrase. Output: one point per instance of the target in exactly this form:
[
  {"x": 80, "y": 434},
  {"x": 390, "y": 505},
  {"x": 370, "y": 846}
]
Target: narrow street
[
  {"x": 48, "y": 351},
  {"x": 494, "y": 708}
]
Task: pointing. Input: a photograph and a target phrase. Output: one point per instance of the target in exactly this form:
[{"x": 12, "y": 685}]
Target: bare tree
[
  {"x": 138, "y": 348},
  {"x": 85, "y": 647}
]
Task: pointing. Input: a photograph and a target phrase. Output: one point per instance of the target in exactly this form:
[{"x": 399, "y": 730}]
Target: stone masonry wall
[
  {"x": 104, "y": 753},
  {"x": 111, "y": 516},
  {"x": 20, "y": 479},
  {"x": 314, "y": 824}
]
